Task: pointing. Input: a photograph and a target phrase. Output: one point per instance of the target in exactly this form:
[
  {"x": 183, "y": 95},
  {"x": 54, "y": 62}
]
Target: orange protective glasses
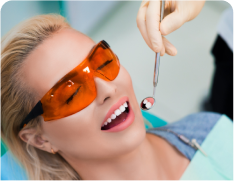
[{"x": 76, "y": 90}]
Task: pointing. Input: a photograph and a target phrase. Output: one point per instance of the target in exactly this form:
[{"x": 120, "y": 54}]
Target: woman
[{"x": 69, "y": 110}]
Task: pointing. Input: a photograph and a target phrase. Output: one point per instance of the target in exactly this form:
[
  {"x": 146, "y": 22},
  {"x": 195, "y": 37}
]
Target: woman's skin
[{"x": 93, "y": 153}]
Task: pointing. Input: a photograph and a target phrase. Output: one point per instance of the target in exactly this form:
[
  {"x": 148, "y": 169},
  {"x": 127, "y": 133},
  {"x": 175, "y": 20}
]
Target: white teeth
[
  {"x": 113, "y": 116},
  {"x": 122, "y": 108},
  {"x": 145, "y": 101},
  {"x": 148, "y": 105},
  {"x": 117, "y": 112}
]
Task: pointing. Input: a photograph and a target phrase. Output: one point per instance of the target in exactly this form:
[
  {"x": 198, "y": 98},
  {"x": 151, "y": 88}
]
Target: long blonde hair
[{"x": 17, "y": 99}]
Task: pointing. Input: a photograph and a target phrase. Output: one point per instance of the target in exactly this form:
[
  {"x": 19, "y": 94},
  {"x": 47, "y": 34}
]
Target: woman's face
[{"x": 79, "y": 136}]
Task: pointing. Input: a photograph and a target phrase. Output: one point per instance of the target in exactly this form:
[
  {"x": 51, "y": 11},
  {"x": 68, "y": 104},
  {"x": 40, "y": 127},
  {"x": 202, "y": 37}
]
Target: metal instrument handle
[{"x": 157, "y": 56}]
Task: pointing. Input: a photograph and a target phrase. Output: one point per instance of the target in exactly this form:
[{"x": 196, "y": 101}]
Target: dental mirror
[{"x": 148, "y": 102}]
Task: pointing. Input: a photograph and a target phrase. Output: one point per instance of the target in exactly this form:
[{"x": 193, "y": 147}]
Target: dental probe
[
  {"x": 157, "y": 56},
  {"x": 148, "y": 102}
]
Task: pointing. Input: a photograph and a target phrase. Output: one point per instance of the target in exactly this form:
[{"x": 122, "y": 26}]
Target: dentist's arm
[{"x": 175, "y": 15}]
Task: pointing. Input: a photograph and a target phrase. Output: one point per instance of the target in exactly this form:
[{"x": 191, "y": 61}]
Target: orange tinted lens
[
  {"x": 76, "y": 90},
  {"x": 71, "y": 94},
  {"x": 104, "y": 62}
]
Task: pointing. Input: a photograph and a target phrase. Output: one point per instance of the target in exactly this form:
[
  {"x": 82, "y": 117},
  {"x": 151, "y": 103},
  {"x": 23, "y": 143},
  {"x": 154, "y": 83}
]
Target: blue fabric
[
  {"x": 10, "y": 169},
  {"x": 193, "y": 126},
  {"x": 3, "y": 148},
  {"x": 154, "y": 120},
  {"x": 218, "y": 164}
]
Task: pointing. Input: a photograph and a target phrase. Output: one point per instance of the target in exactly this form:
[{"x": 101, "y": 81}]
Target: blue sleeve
[{"x": 195, "y": 126}]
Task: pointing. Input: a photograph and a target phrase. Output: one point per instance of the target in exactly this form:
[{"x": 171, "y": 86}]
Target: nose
[{"x": 105, "y": 90}]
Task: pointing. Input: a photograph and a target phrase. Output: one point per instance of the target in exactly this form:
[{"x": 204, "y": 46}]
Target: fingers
[
  {"x": 169, "y": 48},
  {"x": 152, "y": 25},
  {"x": 148, "y": 22},
  {"x": 171, "y": 23},
  {"x": 141, "y": 18},
  {"x": 162, "y": 51}
]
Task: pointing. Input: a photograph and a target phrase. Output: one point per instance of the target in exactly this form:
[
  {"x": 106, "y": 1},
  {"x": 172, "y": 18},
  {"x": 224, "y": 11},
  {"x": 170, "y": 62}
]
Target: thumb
[{"x": 171, "y": 23}]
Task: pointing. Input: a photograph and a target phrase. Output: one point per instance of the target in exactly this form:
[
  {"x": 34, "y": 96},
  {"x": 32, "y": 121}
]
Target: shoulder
[{"x": 195, "y": 126}]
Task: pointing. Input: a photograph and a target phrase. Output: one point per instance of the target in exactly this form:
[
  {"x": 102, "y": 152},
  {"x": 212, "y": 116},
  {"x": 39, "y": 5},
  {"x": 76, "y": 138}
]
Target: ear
[{"x": 37, "y": 140}]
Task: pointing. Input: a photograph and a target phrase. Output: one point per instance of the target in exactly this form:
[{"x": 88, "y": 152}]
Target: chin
[
  {"x": 133, "y": 136},
  {"x": 137, "y": 132}
]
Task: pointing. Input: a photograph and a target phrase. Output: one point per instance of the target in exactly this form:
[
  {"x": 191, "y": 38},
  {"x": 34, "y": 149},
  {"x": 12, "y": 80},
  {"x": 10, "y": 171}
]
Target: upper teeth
[
  {"x": 147, "y": 103},
  {"x": 122, "y": 108},
  {"x": 117, "y": 112}
]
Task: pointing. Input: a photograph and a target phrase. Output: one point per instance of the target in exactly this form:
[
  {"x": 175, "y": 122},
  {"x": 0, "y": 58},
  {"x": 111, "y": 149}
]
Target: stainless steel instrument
[{"x": 151, "y": 100}]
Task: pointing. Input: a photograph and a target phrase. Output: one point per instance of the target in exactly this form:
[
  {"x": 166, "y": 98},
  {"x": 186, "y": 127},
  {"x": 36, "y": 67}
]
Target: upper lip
[{"x": 114, "y": 107}]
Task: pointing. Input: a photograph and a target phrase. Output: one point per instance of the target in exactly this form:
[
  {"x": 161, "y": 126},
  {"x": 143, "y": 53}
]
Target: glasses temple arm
[{"x": 36, "y": 111}]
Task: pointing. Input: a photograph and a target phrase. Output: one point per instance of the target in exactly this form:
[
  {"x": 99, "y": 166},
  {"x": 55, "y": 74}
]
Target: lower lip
[{"x": 122, "y": 126}]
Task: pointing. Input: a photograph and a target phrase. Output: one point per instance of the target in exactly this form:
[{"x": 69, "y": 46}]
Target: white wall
[
  {"x": 221, "y": 3},
  {"x": 13, "y": 12},
  {"x": 82, "y": 15},
  {"x": 86, "y": 15}
]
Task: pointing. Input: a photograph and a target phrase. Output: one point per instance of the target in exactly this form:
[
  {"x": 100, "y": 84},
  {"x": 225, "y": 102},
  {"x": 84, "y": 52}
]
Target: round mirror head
[{"x": 147, "y": 103}]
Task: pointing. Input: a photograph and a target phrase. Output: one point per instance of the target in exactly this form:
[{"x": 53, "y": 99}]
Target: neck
[{"x": 142, "y": 163}]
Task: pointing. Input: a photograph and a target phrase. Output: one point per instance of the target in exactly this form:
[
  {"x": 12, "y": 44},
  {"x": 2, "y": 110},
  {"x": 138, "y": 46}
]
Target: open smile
[{"x": 119, "y": 117}]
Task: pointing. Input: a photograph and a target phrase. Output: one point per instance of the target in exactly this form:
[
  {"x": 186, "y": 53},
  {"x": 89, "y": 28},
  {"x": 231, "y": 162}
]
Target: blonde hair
[{"x": 17, "y": 99}]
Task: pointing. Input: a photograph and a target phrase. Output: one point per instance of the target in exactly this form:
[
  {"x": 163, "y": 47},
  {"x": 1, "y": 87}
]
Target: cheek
[
  {"x": 71, "y": 133},
  {"x": 125, "y": 87},
  {"x": 124, "y": 80}
]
